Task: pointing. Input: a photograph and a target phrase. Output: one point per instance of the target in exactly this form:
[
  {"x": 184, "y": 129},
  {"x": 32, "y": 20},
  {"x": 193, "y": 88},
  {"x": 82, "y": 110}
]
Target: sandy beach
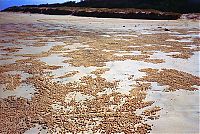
[{"x": 68, "y": 74}]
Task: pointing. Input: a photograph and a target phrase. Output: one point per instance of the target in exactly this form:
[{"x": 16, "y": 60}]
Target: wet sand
[{"x": 96, "y": 75}]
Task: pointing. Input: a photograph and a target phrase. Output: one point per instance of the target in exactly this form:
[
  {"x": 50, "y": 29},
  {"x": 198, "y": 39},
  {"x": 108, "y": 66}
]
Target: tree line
[{"x": 180, "y": 6}]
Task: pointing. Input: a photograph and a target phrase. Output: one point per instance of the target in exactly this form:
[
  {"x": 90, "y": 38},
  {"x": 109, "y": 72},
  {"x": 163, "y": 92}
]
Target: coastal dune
[{"x": 126, "y": 13}]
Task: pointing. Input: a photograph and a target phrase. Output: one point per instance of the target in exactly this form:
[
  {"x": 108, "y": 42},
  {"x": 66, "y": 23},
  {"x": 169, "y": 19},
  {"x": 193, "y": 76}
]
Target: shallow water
[
  {"x": 24, "y": 90},
  {"x": 77, "y": 96},
  {"x": 66, "y": 68},
  {"x": 180, "y": 111}
]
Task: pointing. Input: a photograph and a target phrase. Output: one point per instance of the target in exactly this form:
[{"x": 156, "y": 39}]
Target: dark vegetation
[{"x": 179, "y": 6}]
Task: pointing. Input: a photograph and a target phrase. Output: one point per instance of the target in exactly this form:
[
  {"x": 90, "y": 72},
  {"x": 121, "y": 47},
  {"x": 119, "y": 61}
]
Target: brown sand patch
[
  {"x": 100, "y": 71},
  {"x": 11, "y": 82},
  {"x": 174, "y": 79},
  {"x": 152, "y": 113},
  {"x": 11, "y": 49},
  {"x": 5, "y": 58},
  {"x": 155, "y": 61},
  {"x": 183, "y": 56},
  {"x": 39, "y": 44},
  {"x": 70, "y": 74}
]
